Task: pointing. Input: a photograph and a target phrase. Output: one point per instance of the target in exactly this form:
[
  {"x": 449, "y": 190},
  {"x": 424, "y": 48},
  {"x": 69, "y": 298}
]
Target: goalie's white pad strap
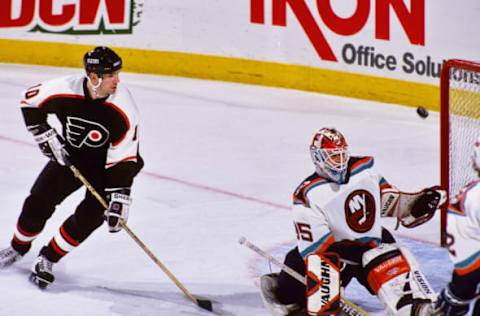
[{"x": 323, "y": 283}]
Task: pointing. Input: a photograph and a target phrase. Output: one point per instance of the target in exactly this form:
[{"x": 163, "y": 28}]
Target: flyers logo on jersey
[
  {"x": 82, "y": 132},
  {"x": 360, "y": 211}
]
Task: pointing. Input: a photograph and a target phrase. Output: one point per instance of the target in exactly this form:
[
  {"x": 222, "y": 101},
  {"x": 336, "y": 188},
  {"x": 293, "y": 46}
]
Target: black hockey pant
[{"x": 51, "y": 187}]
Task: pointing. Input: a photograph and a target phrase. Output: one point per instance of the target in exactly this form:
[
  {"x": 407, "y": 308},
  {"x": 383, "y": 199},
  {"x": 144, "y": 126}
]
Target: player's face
[
  {"x": 109, "y": 83},
  {"x": 336, "y": 158}
]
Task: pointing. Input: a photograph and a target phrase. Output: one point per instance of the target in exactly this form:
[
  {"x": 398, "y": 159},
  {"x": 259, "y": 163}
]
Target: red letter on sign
[
  {"x": 89, "y": 11},
  {"x": 257, "y": 11},
  {"x": 413, "y": 22},
  {"x": 26, "y": 13},
  {"x": 47, "y": 16},
  {"x": 344, "y": 26},
  {"x": 305, "y": 17}
]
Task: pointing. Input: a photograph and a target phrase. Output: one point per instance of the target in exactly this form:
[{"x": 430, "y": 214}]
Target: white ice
[{"x": 222, "y": 161}]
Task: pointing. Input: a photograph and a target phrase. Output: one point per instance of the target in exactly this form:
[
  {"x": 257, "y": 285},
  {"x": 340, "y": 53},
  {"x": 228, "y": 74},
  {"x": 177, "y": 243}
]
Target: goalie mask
[
  {"x": 329, "y": 151},
  {"x": 476, "y": 155}
]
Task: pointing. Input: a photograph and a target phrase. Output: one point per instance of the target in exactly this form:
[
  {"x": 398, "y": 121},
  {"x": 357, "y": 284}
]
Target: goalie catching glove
[
  {"x": 119, "y": 203},
  {"x": 50, "y": 142},
  {"x": 412, "y": 209}
]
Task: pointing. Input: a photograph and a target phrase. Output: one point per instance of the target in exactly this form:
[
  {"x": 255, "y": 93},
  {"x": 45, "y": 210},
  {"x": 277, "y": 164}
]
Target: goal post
[{"x": 459, "y": 126}]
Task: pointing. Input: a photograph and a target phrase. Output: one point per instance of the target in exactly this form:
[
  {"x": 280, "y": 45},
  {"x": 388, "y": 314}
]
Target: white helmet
[
  {"x": 476, "y": 155},
  {"x": 329, "y": 151}
]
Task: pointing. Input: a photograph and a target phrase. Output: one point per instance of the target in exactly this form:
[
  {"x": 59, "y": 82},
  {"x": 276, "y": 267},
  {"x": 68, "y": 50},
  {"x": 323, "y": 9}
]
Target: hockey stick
[
  {"x": 203, "y": 303},
  {"x": 347, "y": 307}
]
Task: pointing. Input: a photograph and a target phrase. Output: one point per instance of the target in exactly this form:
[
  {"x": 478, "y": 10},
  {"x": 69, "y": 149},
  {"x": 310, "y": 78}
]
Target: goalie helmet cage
[{"x": 459, "y": 126}]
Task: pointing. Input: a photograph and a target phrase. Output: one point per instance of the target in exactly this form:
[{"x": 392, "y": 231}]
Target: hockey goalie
[{"x": 338, "y": 210}]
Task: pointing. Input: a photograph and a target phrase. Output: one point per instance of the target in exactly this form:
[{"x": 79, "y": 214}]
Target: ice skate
[
  {"x": 42, "y": 274},
  {"x": 268, "y": 287},
  {"x": 9, "y": 256}
]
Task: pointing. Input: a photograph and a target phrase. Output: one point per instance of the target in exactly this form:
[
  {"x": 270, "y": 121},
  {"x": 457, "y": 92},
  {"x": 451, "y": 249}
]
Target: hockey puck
[
  {"x": 242, "y": 240},
  {"x": 422, "y": 112}
]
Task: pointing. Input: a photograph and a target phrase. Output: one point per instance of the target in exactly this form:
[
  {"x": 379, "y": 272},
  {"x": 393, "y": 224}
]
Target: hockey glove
[
  {"x": 119, "y": 203},
  {"x": 450, "y": 305},
  {"x": 50, "y": 142},
  {"x": 425, "y": 206},
  {"x": 412, "y": 209}
]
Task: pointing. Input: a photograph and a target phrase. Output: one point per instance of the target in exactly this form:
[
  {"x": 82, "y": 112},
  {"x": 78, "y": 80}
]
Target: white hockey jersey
[
  {"x": 463, "y": 229},
  {"x": 325, "y": 212},
  {"x": 100, "y": 134}
]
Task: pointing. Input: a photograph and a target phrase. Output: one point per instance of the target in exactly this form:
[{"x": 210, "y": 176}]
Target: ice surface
[{"x": 222, "y": 160}]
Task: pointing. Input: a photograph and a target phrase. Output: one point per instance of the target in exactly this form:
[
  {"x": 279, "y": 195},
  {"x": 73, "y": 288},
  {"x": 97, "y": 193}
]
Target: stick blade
[{"x": 205, "y": 304}]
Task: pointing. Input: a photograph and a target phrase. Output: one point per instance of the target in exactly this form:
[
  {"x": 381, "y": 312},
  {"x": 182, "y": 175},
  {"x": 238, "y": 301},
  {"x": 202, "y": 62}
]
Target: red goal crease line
[{"x": 176, "y": 180}]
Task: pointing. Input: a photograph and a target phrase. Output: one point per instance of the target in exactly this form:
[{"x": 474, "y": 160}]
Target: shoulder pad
[
  {"x": 300, "y": 194},
  {"x": 124, "y": 103},
  {"x": 358, "y": 164},
  {"x": 37, "y": 95}
]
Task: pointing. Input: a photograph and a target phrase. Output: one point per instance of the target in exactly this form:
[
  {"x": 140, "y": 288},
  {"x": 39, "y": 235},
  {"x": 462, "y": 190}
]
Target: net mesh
[{"x": 464, "y": 116}]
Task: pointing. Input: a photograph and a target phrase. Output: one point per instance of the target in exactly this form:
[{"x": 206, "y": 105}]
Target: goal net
[{"x": 459, "y": 125}]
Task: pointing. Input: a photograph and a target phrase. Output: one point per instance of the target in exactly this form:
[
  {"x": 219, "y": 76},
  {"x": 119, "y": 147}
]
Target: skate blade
[{"x": 39, "y": 281}]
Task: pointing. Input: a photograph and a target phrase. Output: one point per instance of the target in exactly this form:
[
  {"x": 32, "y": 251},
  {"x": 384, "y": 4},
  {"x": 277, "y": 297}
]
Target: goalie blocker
[{"x": 323, "y": 284}]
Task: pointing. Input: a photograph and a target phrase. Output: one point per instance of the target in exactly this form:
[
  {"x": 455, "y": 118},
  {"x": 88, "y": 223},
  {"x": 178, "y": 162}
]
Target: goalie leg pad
[
  {"x": 323, "y": 284},
  {"x": 393, "y": 274},
  {"x": 424, "y": 289}
]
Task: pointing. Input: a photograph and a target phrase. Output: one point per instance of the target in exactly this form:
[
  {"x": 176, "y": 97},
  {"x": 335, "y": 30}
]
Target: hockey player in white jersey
[
  {"x": 463, "y": 239},
  {"x": 338, "y": 209},
  {"x": 99, "y": 135}
]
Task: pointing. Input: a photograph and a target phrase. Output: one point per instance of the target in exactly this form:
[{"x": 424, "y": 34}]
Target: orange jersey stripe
[{"x": 468, "y": 269}]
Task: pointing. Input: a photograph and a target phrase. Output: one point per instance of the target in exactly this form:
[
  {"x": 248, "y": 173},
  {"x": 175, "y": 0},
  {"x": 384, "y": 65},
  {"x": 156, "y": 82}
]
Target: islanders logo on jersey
[
  {"x": 360, "y": 211},
  {"x": 82, "y": 132}
]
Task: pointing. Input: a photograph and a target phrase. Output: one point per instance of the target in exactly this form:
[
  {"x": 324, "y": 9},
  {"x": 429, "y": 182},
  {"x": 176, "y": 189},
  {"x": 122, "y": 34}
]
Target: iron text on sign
[{"x": 412, "y": 20}]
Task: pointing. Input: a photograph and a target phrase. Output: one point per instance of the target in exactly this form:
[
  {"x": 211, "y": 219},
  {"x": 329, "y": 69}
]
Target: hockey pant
[{"x": 51, "y": 187}]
